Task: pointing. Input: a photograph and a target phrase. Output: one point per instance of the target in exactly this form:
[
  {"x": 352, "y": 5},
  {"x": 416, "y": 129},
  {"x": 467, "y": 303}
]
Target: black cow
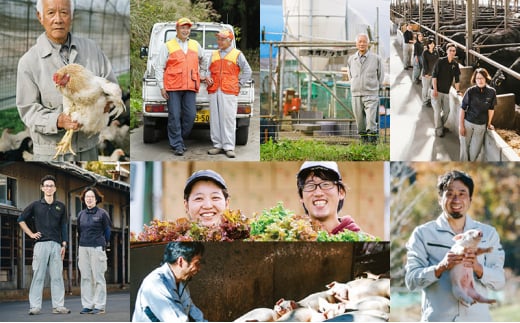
[
  {"x": 504, "y": 56},
  {"x": 504, "y": 36},
  {"x": 505, "y": 83}
]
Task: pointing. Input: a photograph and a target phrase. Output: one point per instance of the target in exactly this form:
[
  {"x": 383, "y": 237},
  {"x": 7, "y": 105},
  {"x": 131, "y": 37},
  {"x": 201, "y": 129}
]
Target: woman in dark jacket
[
  {"x": 418, "y": 48},
  {"x": 94, "y": 234},
  {"x": 476, "y": 113},
  {"x": 430, "y": 57}
]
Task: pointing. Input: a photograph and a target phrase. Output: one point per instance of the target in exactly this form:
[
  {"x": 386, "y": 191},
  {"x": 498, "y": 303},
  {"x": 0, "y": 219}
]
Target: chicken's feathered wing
[{"x": 88, "y": 99}]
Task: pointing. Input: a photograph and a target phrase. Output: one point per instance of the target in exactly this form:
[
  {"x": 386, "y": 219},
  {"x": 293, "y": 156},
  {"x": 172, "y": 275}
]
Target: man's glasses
[{"x": 324, "y": 186}]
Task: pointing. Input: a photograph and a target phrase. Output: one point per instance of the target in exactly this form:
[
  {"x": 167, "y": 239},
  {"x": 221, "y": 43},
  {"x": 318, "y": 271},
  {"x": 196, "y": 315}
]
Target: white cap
[{"x": 323, "y": 165}]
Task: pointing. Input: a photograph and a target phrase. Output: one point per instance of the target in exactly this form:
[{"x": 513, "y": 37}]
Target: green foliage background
[
  {"x": 495, "y": 201},
  {"x": 414, "y": 201},
  {"x": 143, "y": 15}
]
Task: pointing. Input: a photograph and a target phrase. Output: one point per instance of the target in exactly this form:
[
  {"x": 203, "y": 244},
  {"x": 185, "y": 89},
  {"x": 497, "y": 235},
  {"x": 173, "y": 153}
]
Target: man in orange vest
[
  {"x": 229, "y": 71},
  {"x": 178, "y": 68}
]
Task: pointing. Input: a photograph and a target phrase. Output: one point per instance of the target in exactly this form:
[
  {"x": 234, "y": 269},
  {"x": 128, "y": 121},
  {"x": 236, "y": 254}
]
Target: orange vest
[
  {"x": 182, "y": 70},
  {"x": 224, "y": 72}
]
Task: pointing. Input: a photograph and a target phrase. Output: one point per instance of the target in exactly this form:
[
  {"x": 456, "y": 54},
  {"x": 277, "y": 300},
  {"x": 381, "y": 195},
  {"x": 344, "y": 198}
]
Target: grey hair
[
  {"x": 365, "y": 35},
  {"x": 39, "y": 7}
]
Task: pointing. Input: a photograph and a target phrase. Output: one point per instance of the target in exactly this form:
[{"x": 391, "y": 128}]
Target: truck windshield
[{"x": 211, "y": 38}]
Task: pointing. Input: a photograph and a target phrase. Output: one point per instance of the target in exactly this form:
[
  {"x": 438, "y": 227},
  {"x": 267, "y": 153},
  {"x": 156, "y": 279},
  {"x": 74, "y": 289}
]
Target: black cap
[{"x": 204, "y": 174}]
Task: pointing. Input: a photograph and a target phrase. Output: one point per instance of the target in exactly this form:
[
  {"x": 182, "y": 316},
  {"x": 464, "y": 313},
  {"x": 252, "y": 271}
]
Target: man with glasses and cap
[
  {"x": 39, "y": 103},
  {"x": 178, "y": 70},
  {"x": 229, "y": 72},
  {"x": 322, "y": 194}
]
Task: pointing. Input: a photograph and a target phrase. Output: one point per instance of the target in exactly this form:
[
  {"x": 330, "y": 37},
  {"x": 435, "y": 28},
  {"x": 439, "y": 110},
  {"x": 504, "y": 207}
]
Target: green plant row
[
  {"x": 275, "y": 224},
  {"x": 289, "y": 150}
]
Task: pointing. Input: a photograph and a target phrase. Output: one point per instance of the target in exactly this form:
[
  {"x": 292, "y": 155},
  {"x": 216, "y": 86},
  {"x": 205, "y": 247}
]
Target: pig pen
[{"x": 239, "y": 276}]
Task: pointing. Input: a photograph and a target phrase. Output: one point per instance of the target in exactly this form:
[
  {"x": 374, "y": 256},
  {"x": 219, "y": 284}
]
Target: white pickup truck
[{"x": 155, "y": 110}]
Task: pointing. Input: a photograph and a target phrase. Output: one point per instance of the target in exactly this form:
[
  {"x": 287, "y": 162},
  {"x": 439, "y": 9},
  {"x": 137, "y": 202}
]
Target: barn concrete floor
[{"x": 412, "y": 131}]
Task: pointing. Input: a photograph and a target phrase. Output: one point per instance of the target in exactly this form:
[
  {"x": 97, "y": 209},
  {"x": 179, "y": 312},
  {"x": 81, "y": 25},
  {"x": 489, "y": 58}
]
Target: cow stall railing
[{"x": 476, "y": 54}]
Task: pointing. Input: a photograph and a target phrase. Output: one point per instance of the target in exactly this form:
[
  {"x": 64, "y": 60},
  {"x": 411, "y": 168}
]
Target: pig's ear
[
  {"x": 294, "y": 305},
  {"x": 280, "y": 301},
  {"x": 329, "y": 286},
  {"x": 458, "y": 237}
]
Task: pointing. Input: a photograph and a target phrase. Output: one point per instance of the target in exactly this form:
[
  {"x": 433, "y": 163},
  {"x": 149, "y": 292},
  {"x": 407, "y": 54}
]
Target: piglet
[
  {"x": 313, "y": 300},
  {"x": 463, "y": 283},
  {"x": 263, "y": 314}
]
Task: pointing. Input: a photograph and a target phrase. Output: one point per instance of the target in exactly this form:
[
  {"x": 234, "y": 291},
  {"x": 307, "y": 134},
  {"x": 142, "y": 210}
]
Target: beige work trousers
[{"x": 92, "y": 264}]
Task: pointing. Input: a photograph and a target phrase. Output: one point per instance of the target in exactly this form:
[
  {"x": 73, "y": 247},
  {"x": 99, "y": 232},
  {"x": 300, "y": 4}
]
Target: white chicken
[{"x": 86, "y": 99}]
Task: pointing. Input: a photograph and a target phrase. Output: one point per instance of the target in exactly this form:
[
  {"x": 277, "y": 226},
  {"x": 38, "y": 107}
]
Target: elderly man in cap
[
  {"x": 179, "y": 65},
  {"x": 322, "y": 194},
  {"x": 206, "y": 197},
  {"x": 229, "y": 71}
]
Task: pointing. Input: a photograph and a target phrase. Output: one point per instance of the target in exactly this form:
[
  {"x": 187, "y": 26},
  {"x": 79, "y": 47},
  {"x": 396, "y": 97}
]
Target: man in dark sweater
[
  {"x": 408, "y": 42},
  {"x": 444, "y": 72},
  {"x": 50, "y": 222}
]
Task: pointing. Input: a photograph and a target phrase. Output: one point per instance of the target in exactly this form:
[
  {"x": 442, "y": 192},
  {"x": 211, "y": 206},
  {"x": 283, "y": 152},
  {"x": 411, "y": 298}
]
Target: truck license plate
[{"x": 202, "y": 116}]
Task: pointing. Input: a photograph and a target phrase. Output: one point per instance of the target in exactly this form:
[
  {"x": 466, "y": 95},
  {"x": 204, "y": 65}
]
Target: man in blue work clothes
[{"x": 164, "y": 295}]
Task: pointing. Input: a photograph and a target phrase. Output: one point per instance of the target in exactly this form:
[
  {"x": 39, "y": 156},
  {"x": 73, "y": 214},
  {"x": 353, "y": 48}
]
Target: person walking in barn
[
  {"x": 408, "y": 42},
  {"x": 430, "y": 57},
  {"x": 418, "y": 48},
  {"x": 50, "y": 243},
  {"x": 94, "y": 235},
  {"x": 476, "y": 114},
  {"x": 366, "y": 74},
  {"x": 444, "y": 72},
  {"x": 229, "y": 72}
]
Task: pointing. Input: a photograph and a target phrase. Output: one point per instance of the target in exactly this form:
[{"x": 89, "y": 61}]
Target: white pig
[
  {"x": 312, "y": 300},
  {"x": 463, "y": 283},
  {"x": 266, "y": 314}
]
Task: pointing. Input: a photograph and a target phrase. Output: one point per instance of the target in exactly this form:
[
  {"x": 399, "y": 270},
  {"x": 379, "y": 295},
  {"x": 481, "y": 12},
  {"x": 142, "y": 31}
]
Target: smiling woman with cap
[
  {"x": 322, "y": 194},
  {"x": 206, "y": 197}
]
